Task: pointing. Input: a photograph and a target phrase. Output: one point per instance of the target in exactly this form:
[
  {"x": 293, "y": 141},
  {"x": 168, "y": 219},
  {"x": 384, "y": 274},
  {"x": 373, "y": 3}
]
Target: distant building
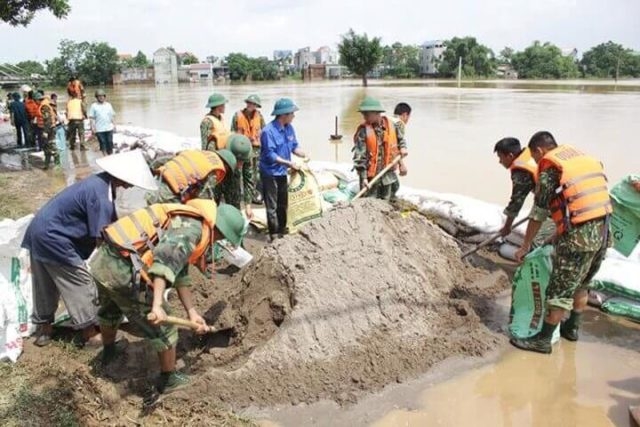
[
  {"x": 303, "y": 58},
  {"x": 282, "y": 55},
  {"x": 430, "y": 55},
  {"x": 165, "y": 66},
  {"x": 134, "y": 75},
  {"x": 202, "y": 71},
  {"x": 123, "y": 57},
  {"x": 506, "y": 71},
  {"x": 326, "y": 55}
]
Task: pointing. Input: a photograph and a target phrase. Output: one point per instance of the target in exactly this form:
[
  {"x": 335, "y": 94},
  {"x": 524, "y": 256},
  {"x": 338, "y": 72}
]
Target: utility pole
[{"x": 459, "y": 71}]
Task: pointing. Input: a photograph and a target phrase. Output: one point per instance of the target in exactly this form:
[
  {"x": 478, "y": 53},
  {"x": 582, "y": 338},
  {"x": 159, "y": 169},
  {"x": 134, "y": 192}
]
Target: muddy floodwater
[{"x": 451, "y": 132}]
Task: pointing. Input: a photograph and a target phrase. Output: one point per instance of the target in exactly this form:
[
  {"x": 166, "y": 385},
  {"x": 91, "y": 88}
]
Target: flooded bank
[{"x": 588, "y": 383}]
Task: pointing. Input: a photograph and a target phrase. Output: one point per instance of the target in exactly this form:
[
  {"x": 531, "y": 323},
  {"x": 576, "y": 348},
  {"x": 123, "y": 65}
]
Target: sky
[{"x": 258, "y": 27}]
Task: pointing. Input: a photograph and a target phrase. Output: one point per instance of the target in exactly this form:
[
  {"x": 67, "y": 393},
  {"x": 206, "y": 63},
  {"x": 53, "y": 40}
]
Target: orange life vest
[
  {"x": 583, "y": 194},
  {"x": 32, "y": 107},
  {"x": 135, "y": 235},
  {"x": 390, "y": 145},
  {"x": 54, "y": 114},
  {"x": 526, "y": 163},
  {"x": 219, "y": 133},
  {"x": 189, "y": 169},
  {"x": 75, "y": 88},
  {"x": 250, "y": 127}
]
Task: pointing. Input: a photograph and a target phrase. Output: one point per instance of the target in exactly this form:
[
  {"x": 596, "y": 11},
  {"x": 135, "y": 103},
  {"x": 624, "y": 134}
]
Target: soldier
[
  {"x": 47, "y": 122},
  {"x": 192, "y": 174},
  {"x": 239, "y": 186},
  {"x": 573, "y": 187},
  {"x": 213, "y": 131},
  {"x": 377, "y": 142},
  {"x": 250, "y": 122},
  {"x": 146, "y": 253}
]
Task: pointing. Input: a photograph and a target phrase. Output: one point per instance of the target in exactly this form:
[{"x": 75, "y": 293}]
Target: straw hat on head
[{"x": 130, "y": 167}]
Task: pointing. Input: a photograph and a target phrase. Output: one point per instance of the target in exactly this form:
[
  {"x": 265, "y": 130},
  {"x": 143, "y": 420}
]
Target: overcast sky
[{"x": 258, "y": 27}]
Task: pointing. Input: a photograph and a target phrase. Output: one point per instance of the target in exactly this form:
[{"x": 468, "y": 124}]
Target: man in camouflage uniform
[
  {"x": 579, "y": 252},
  {"x": 388, "y": 185},
  {"x": 239, "y": 125},
  {"x": 49, "y": 122},
  {"x": 208, "y": 139},
  {"x": 239, "y": 185},
  {"x": 522, "y": 183},
  {"x": 206, "y": 189},
  {"x": 120, "y": 296}
]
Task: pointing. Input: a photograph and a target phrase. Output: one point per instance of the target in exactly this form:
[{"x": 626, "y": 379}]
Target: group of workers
[{"x": 82, "y": 252}]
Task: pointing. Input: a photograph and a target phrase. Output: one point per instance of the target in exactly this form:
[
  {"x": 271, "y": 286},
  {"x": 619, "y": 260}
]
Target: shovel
[
  {"x": 490, "y": 240},
  {"x": 183, "y": 323},
  {"x": 377, "y": 178}
]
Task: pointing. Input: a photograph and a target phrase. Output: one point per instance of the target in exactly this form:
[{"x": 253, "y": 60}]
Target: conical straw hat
[{"x": 129, "y": 167}]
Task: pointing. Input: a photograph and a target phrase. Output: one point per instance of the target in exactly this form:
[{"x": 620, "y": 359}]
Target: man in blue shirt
[
  {"x": 64, "y": 233},
  {"x": 278, "y": 141},
  {"x": 19, "y": 118}
]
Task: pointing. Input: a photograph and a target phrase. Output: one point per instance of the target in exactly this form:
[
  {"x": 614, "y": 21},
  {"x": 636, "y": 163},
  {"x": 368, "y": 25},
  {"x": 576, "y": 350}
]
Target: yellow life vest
[
  {"x": 186, "y": 172},
  {"x": 526, "y": 163},
  {"x": 74, "y": 109},
  {"x": 583, "y": 194},
  {"x": 219, "y": 133},
  {"x": 135, "y": 236}
]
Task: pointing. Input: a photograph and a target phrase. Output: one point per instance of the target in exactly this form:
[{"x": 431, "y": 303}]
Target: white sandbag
[
  {"x": 343, "y": 171},
  {"x": 326, "y": 180},
  {"x": 618, "y": 276},
  {"x": 508, "y": 251}
]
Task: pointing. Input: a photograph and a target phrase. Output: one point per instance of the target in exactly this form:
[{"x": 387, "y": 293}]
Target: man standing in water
[
  {"x": 377, "y": 142},
  {"x": 213, "y": 131},
  {"x": 278, "y": 141},
  {"x": 573, "y": 186}
]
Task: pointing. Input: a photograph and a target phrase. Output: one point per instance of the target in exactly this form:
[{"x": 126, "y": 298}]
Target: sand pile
[{"x": 360, "y": 298}]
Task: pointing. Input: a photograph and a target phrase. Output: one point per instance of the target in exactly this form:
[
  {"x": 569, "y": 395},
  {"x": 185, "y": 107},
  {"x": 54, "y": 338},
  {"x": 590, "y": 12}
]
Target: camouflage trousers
[
  {"x": 51, "y": 150},
  {"x": 572, "y": 271},
  {"x": 384, "y": 191},
  {"x": 119, "y": 297},
  {"x": 255, "y": 170}
]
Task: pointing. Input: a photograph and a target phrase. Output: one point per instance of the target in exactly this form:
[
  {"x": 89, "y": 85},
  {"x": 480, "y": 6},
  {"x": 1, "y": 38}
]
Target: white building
[
  {"x": 326, "y": 55},
  {"x": 303, "y": 58},
  {"x": 165, "y": 66},
  {"x": 430, "y": 55}
]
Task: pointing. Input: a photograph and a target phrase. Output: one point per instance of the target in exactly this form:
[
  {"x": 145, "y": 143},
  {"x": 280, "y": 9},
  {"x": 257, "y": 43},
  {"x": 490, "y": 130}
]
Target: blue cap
[{"x": 284, "y": 106}]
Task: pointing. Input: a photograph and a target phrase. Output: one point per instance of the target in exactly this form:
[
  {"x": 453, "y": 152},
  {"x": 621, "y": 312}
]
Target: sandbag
[
  {"x": 305, "y": 200},
  {"x": 529, "y": 292},
  {"x": 625, "y": 220},
  {"x": 618, "y": 276},
  {"x": 335, "y": 196},
  {"x": 622, "y": 307}
]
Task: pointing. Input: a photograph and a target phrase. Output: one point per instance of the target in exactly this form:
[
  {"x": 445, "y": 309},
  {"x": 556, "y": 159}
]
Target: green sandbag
[
  {"x": 335, "y": 196},
  {"x": 622, "y": 307},
  {"x": 625, "y": 221},
  {"x": 529, "y": 292}
]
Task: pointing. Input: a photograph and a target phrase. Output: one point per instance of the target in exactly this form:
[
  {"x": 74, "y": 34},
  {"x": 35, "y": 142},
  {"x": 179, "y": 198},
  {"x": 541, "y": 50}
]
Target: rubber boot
[
  {"x": 47, "y": 161},
  {"x": 172, "y": 381},
  {"x": 539, "y": 343},
  {"x": 113, "y": 351},
  {"x": 569, "y": 328}
]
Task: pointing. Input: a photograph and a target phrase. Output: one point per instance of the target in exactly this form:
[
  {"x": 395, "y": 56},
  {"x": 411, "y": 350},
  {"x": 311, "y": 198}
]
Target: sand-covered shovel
[
  {"x": 377, "y": 177},
  {"x": 183, "y": 323},
  {"x": 490, "y": 240}
]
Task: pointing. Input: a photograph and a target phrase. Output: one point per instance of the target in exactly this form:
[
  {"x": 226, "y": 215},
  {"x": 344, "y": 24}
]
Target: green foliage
[
  {"x": 31, "y": 67},
  {"x": 544, "y": 61},
  {"x": 21, "y": 12},
  {"x": 477, "y": 59},
  {"x": 94, "y": 63},
  {"x": 360, "y": 54},
  {"x": 189, "y": 58},
  {"x": 138, "y": 61},
  {"x": 401, "y": 61},
  {"x": 242, "y": 67},
  {"x": 610, "y": 60},
  {"x": 506, "y": 55}
]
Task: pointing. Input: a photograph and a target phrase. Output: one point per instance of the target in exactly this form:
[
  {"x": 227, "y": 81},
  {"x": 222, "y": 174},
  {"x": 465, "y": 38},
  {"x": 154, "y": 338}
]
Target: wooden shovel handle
[{"x": 179, "y": 322}]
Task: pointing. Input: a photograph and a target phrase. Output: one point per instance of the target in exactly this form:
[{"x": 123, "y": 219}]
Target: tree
[
  {"x": 610, "y": 60},
  {"x": 189, "y": 58},
  {"x": 138, "y": 61},
  {"x": 360, "y": 54},
  {"x": 402, "y": 61},
  {"x": 477, "y": 59},
  {"x": 21, "y": 12},
  {"x": 239, "y": 66},
  {"x": 506, "y": 55},
  {"x": 31, "y": 67},
  {"x": 544, "y": 61},
  {"x": 95, "y": 63},
  {"x": 242, "y": 67}
]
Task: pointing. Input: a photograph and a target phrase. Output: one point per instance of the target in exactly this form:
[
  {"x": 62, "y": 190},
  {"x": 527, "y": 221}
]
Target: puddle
[{"x": 589, "y": 383}]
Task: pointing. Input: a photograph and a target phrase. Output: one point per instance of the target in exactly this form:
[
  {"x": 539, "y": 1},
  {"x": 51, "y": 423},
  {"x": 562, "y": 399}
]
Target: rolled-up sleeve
[{"x": 545, "y": 192}]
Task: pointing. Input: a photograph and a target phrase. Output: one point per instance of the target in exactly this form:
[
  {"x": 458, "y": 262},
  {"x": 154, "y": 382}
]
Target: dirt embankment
[{"x": 361, "y": 298}]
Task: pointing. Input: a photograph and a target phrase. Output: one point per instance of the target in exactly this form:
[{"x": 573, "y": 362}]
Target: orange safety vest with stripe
[
  {"x": 54, "y": 114},
  {"x": 187, "y": 171},
  {"x": 526, "y": 163},
  {"x": 390, "y": 145},
  {"x": 583, "y": 194},
  {"x": 219, "y": 133},
  {"x": 250, "y": 127},
  {"x": 135, "y": 236}
]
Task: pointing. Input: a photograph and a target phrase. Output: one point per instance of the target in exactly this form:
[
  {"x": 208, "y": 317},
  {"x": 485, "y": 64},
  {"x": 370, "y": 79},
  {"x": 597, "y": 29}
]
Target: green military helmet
[
  {"x": 370, "y": 104},
  {"x": 284, "y": 106},
  {"x": 38, "y": 96},
  {"x": 228, "y": 158},
  {"x": 100, "y": 92},
  {"x": 254, "y": 99},
  {"x": 230, "y": 222},
  {"x": 216, "y": 100},
  {"x": 240, "y": 146}
]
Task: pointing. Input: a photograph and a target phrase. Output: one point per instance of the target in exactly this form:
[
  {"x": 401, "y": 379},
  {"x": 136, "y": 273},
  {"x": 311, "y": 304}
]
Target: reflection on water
[{"x": 451, "y": 133}]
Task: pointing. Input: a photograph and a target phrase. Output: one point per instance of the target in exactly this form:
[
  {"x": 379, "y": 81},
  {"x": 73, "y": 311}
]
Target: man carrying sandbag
[
  {"x": 144, "y": 254},
  {"x": 573, "y": 186}
]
